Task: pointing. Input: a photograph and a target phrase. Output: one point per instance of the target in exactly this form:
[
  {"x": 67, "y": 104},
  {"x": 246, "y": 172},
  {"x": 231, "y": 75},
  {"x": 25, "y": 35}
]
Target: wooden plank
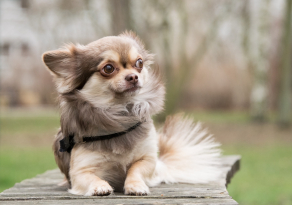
[
  {"x": 43, "y": 189},
  {"x": 125, "y": 201},
  {"x": 232, "y": 163}
]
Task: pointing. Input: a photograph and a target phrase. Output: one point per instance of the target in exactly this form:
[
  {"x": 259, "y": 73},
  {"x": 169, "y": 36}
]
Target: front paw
[
  {"x": 136, "y": 188},
  {"x": 102, "y": 188}
]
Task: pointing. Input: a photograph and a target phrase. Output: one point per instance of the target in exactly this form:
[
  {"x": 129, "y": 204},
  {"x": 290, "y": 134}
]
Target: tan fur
[
  {"x": 141, "y": 169},
  {"x": 164, "y": 148},
  {"x": 95, "y": 103}
]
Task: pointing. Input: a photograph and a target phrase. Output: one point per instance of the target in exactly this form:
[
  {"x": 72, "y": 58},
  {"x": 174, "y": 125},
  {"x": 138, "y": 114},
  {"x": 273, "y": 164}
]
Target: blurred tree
[
  {"x": 121, "y": 16},
  {"x": 284, "y": 110},
  {"x": 176, "y": 80},
  {"x": 258, "y": 63},
  {"x": 187, "y": 37},
  {"x": 246, "y": 23}
]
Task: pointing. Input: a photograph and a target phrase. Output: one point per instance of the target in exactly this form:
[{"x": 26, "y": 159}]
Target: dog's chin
[{"x": 133, "y": 90}]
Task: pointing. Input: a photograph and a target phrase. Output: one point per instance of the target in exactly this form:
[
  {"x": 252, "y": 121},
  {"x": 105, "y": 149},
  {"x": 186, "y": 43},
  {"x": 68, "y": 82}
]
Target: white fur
[
  {"x": 194, "y": 156},
  {"x": 96, "y": 92}
]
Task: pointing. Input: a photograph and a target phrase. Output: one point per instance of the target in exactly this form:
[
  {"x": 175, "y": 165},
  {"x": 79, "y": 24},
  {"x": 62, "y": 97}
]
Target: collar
[{"x": 66, "y": 145}]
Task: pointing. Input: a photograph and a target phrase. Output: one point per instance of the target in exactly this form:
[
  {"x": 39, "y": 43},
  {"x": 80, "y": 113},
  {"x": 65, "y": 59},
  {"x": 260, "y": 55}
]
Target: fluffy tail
[{"x": 188, "y": 154}]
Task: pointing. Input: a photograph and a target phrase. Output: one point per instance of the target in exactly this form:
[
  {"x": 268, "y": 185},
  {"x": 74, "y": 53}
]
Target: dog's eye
[
  {"x": 108, "y": 69},
  {"x": 139, "y": 63}
]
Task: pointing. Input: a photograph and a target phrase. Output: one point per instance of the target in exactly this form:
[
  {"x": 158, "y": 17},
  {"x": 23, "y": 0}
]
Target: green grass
[
  {"x": 18, "y": 161},
  {"x": 11, "y": 125},
  {"x": 265, "y": 176},
  {"x": 19, "y": 164},
  {"x": 222, "y": 116}
]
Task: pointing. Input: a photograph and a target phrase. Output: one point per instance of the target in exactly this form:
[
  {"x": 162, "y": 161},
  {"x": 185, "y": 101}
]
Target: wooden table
[{"x": 43, "y": 189}]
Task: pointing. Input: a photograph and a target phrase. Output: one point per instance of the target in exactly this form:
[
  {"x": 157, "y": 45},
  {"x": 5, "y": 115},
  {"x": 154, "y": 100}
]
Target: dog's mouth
[{"x": 133, "y": 88}]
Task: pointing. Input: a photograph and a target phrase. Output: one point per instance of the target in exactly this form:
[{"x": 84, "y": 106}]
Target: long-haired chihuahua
[{"x": 108, "y": 93}]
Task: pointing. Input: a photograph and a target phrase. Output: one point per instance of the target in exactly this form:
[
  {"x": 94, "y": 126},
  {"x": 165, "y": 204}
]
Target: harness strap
[{"x": 67, "y": 145}]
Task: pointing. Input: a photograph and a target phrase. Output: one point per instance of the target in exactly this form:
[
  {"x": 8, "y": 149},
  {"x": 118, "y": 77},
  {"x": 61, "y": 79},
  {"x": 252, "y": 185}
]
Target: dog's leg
[
  {"x": 84, "y": 171},
  {"x": 88, "y": 184},
  {"x": 141, "y": 169}
]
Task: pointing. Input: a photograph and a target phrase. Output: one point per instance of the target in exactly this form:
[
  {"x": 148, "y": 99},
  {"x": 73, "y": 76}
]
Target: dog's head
[
  {"x": 115, "y": 64},
  {"x": 105, "y": 86}
]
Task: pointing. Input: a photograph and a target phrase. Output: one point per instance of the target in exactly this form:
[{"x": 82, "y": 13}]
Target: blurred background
[{"x": 226, "y": 63}]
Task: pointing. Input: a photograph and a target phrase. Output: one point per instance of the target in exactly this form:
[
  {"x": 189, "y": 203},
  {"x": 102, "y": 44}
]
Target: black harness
[{"x": 67, "y": 145}]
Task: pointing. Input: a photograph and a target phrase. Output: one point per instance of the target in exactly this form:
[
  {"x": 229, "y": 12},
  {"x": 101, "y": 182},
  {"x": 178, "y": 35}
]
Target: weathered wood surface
[{"x": 43, "y": 189}]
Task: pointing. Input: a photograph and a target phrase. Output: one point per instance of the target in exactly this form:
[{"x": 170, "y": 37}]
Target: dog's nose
[{"x": 132, "y": 78}]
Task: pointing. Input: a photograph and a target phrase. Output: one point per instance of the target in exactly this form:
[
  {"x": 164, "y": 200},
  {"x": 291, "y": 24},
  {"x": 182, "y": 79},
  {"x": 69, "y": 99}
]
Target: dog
[{"x": 108, "y": 93}]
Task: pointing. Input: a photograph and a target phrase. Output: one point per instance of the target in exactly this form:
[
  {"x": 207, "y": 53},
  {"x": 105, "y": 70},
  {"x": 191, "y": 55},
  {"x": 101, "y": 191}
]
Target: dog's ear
[
  {"x": 65, "y": 66},
  {"x": 60, "y": 62}
]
